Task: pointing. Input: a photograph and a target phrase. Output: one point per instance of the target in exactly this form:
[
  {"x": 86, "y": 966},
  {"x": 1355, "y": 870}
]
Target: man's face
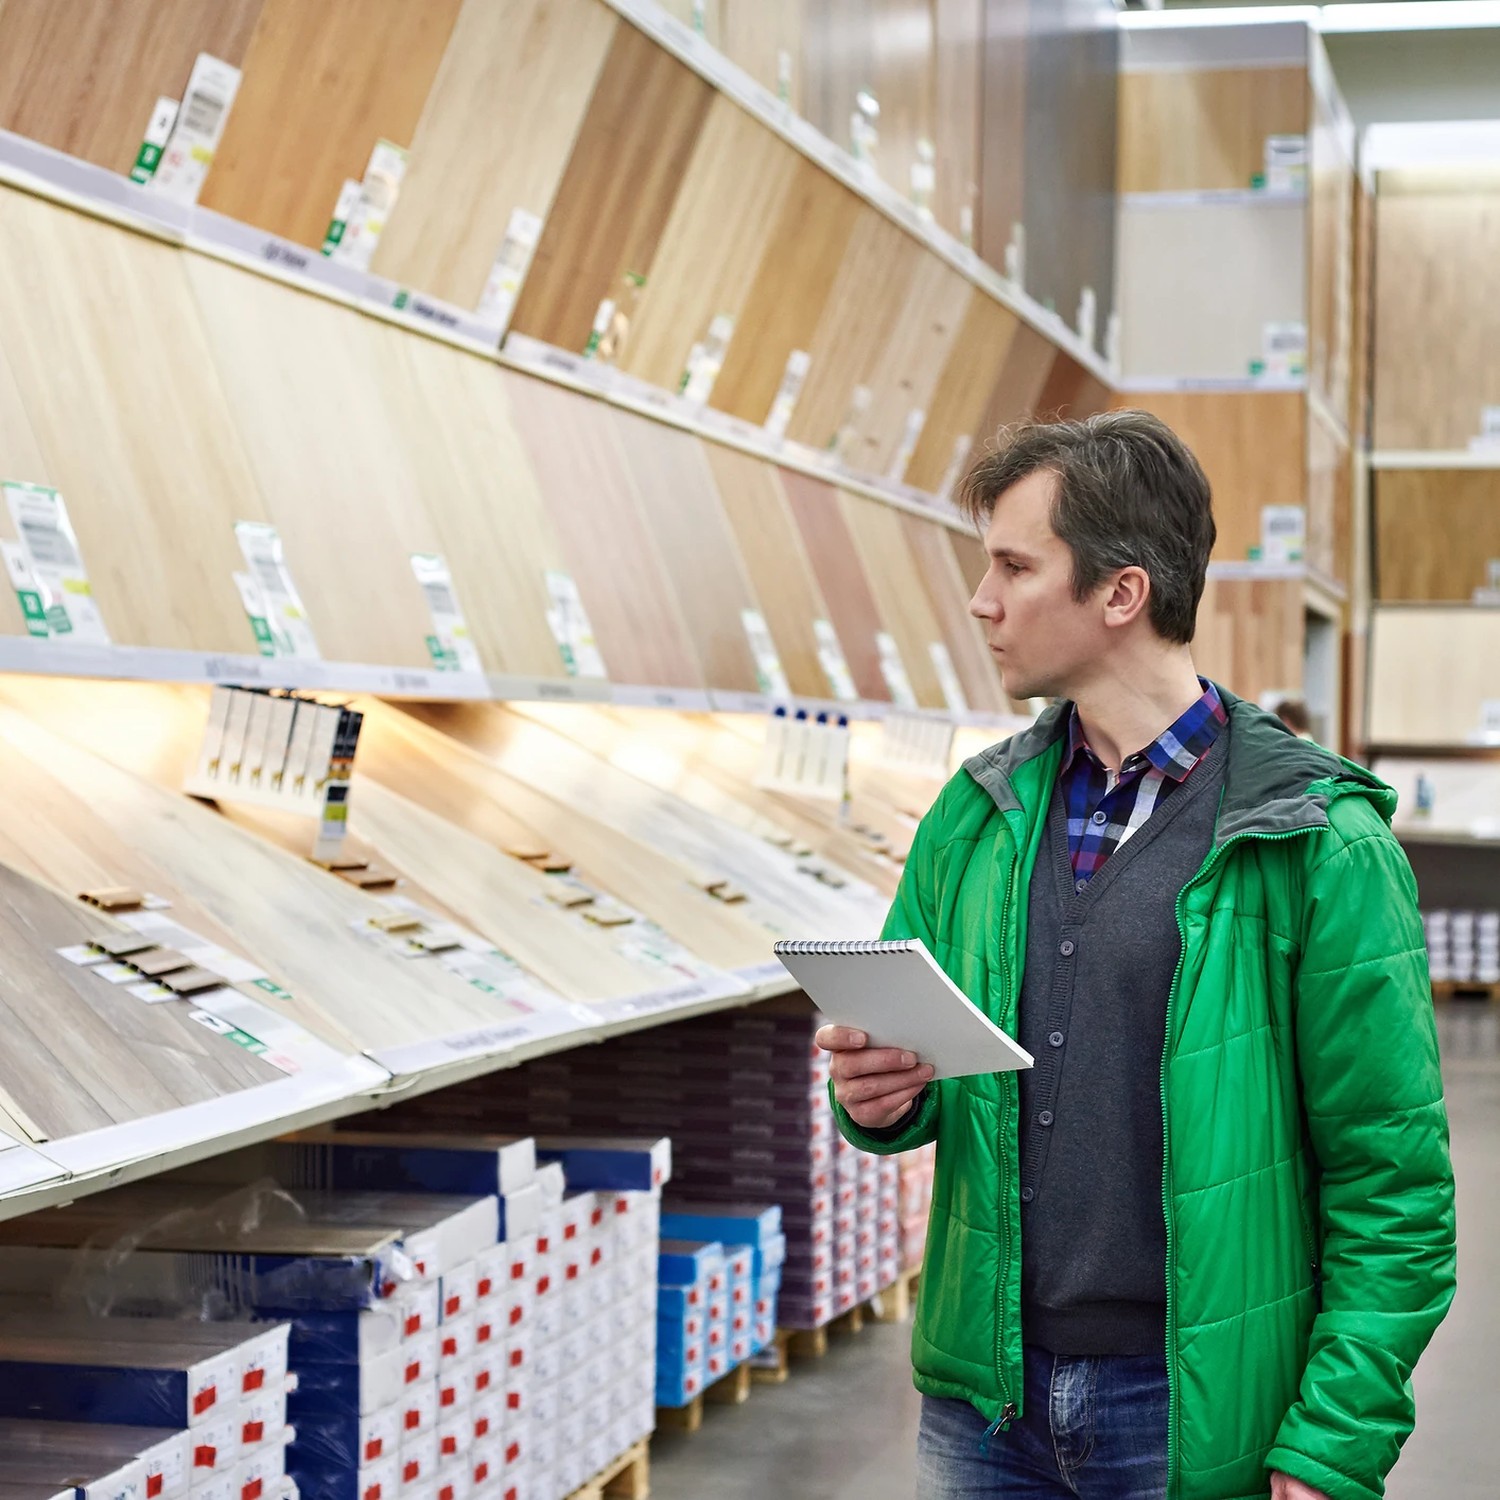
[{"x": 1041, "y": 636}]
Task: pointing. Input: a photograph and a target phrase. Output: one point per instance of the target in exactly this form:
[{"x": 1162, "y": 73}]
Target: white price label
[
  {"x": 953, "y": 691},
  {"x": 893, "y": 669},
  {"x": 498, "y": 300},
  {"x": 1286, "y": 163},
  {"x": 792, "y": 380},
  {"x": 372, "y": 207},
  {"x": 51, "y": 551},
  {"x": 707, "y": 360},
  {"x": 571, "y": 628},
  {"x": 835, "y": 665},
  {"x": 260, "y": 546},
  {"x": 199, "y": 128},
  {"x": 450, "y": 644},
  {"x": 1282, "y": 534},
  {"x": 768, "y": 668},
  {"x": 916, "y": 420}
]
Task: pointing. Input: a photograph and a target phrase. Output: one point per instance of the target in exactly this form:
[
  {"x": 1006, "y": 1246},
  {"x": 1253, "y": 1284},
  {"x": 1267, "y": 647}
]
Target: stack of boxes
[
  {"x": 916, "y": 1170},
  {"x": 1463, "y": 947},
  {"x": 744, "y": 1098}
]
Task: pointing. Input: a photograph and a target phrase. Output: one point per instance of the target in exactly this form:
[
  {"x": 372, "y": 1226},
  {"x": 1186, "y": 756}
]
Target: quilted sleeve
[
  {"x": 1372, "y": 1088},
  {"x": 911, "y": 916}
]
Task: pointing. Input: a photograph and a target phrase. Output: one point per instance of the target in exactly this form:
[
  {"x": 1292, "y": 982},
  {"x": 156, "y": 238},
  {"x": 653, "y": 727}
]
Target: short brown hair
[{"x": 1129, "y": 494}]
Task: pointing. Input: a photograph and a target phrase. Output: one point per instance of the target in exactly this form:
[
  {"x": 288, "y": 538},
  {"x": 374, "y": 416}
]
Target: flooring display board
[
  {"x": 322, "y": 85},
  {"x": 1330, "y": 498},
  {"x": 1412, "y": 703},
  {"x": 85, "y": 77},
  {"x": 1250, "y": 635},
  {"x": 1436, "y": 534},
  {"x": 512, "y": 69}
]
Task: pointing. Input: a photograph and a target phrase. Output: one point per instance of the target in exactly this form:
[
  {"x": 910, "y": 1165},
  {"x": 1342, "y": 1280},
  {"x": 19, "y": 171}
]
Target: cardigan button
[
  {"x": 1027, "y": 1194},
  {"x": 1045, "y": 1118},
  {"x": 1055, "y": 1039},
  {"x": 1066, "y": 948}
]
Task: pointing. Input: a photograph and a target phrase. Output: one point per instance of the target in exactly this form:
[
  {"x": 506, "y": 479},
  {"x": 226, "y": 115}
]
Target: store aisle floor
[{"x": 845, "y": 1428}]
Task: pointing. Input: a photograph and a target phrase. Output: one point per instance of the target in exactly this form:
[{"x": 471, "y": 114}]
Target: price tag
[
  {"x": 373, "y": 203},
  {"x": 257, "y": 611},
  {"x": 1282, "y": 534},
  {"x": 450, "y": 644},
  {"x": 158, "y": 132},
  {"x": 571, "y": 628},
  {"x": 57, "y": 574},
  {"x": 197, "y": 130},
  {"x": 28, "y": 588},
  {"x": 893, "y": 670},
  {"x": 768, "y": 668},
  {"x": 260, "y": 546},
  {"x": 835, "y": 666},
  {"x": 792, "y": 380},
  {"x": 498, "y": 300},
  {"x": 706, "y": 360}
]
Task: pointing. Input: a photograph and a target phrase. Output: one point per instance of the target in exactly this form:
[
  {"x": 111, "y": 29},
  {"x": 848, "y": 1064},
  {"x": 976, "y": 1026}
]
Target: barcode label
[
  {"x": 440, "y": 599},
  {"x": 48, "y": 547},
  {"x": 203, "y": 113}
]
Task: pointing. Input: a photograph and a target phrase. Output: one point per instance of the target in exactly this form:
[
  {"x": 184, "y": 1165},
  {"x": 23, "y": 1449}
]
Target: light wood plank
[
  {"x": 1431, "y": 672},
  {"x": 513, "y": 70},
  {"x": 323, "y": 83}
]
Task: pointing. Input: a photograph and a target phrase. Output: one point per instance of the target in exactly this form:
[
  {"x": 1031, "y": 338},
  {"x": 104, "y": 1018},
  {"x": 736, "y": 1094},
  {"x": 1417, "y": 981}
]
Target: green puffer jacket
[{"x": 1308, "y": 1191}]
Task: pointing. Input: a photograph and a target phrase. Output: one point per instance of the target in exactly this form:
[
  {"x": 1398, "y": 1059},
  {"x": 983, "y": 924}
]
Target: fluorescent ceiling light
[{"x": 1404, "y": 15}]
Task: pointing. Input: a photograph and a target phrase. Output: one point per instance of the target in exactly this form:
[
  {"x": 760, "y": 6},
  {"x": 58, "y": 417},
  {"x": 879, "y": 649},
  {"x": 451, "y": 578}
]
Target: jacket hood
[{"x": 1273, "y": 783}]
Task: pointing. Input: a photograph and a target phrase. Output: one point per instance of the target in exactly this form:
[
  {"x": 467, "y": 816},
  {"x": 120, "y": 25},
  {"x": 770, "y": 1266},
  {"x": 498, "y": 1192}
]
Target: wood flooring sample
[
  {"x": 83, "y": 76},
  {"x": 612, "y": 207},
  {"x": 323, "y": 82},
  {"x": 496, "y": 134}
]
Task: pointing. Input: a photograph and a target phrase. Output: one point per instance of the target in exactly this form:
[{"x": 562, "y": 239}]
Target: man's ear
[{"x": 1126, "y": 597}]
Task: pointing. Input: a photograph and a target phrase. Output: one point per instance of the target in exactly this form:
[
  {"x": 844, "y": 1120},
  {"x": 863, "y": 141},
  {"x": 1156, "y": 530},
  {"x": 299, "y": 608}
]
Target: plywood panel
[
  {"x": 1432, "y": 251},
  {"x": 1431, "y": 672},
  {"x": 1436, "y": 531},
  {"x": 670, "y": 472},
  {"x": 1250, "y": 636},
  {"x": 1186, "y": 130},
  {"x": 336, "y": 483},
  {"x": 575, "y": 451},
  {"x": 130, "y": 422},
  {"x": 1330, "y": 481},
  {"x": 846, "y": 589},
  {"x": 83, "y": 76},
  {"x": 612, "y": 206},
  {"x": 1331, "y": 189},
  {"x": 718, "y": 231},
  {"x": 450, "y": 413},
  {"x": 874, "y": 284},
  {"x": 1252, "y": 447},
  {"x": 513, "y": 70},
  {"x": 958, "y": 407},
  {"x": 1002, "y": 150},
  {"x": 1184, "y": 257},
  {"x": 322, "y": 84},
  {"x": 949, "y": 595},
  {"x": 770, "y": 545},
  {"x": 905, "y": 371},
  {"x": 792, "y": 287}
]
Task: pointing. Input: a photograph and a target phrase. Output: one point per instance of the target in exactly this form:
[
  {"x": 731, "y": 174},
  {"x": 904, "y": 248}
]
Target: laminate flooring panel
[
  {"x": 905, "y": 372},
  {"x": 455, "y": 783},
  {"x": 776, "y": 561},
  {"x": 958, "y": 406},
  {"x": 337, "y": 484},
  {"x": 756, "y": 34},
  {"x": 1071, "y": 392},
  {"x": 711, "y": 848},
  {"x": 83, "y": 76},
  {"x": 949, "y": 596},
  {"x": 130, "y": 422},
  {"x": 513, "y": 70},
  {"x": 720, "y": 224},
  {"x": 792, "y": 287},
  {"x": 877, "y": 279},
  {"x": 322, "y": 84},
  {"x": 612, "y": 207},
  {"x": 450, "y": 413},
  {"x": 78, "y": 1052},
  {"x": 1431, "y": 673},
  {"x": 671, "y": 473},
  {"x": 1017, "y": 394},
  {"x": 900, "y": 593},
  {"x": 846, "y": 588},
  {"x": 1005, "y": 63},
  {"x": 575, "y": 450}
]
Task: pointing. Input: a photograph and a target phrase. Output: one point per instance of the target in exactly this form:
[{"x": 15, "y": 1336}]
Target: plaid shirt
[{"x": 1105, "y": 810}]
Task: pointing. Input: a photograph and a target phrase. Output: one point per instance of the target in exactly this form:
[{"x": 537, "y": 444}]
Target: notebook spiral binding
[{"x": 849, "y": 948}]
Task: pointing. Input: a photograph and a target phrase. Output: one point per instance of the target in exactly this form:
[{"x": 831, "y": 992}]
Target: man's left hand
[{"x": 1284, "y": 1487}]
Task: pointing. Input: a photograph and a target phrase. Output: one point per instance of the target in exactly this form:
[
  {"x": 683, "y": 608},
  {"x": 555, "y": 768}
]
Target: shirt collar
[{"x": 1176, "y": 750}]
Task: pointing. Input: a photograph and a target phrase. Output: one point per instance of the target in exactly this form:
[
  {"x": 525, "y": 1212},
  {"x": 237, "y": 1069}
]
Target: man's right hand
[{"x": 876, "y": 1085}]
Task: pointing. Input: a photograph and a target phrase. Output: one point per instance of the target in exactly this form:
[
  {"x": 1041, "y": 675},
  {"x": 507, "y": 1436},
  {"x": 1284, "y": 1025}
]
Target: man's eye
[{"x": 1013, "y": 568}]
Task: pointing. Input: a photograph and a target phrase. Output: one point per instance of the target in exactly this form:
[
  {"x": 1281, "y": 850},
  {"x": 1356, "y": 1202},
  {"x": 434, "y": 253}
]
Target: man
[{"x": 1195, "y": 1252}]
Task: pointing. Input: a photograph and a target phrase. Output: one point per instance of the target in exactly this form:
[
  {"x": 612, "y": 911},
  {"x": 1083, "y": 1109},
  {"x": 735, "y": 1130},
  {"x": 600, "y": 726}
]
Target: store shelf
[
  {"x": 1460, "y": 458},
  {"x": 1218, "y": 198},
  {"x": 1146, "y": 385}
]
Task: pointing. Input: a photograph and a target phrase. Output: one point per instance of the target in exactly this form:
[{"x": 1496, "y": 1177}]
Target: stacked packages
[{"x": 916, "y": 1169}]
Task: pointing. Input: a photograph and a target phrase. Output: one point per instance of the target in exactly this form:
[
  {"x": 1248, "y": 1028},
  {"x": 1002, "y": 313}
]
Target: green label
[
  {"x": 147, "y": 160},
  {"x": 272, "y": 988},
  {"x": 1257, "y": 368},
  {"x": 400, "y": 300},
  {"x": 248, "y": 1042},
  {"x": 33, "y": 611},
  {"x": 334, "y": 236},
  {"x": 58, "y": 622},
  {"x": 1257, "y": 180},
  {"x": 443, "y": 659},
  {"x": 570, "y": 662},
  {"x": 264, "y": 637}
]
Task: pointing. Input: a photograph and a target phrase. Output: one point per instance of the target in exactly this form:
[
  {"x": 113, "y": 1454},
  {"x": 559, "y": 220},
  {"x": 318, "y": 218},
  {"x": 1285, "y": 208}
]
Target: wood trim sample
[
  {"x": 841, "y": 577},
  {"x": 337, "y": 483},
  {"x": 514, "y": 70},
  {"x": 575, "y": 449},
  {"x": 960, "y": 401},
  {"x": 1250, "y": 635},
  {"x": 899, "y": 591},
  {"x": 83, "y": 76},
  {"x": 1252, "y": 447},
  {"x": 771, "y": 548},
  {"x": 323, "y": 83},
  {"x": 680, "y": 500},
  {"x": 721, "y": 222},
  {"x": 1181, "y": 131},
  {"x": 612, "y": 206},
  {"x": 792, "y": 286},
  {"x": 103, "y": 339},
  {"x": 1436, "y": 532}
]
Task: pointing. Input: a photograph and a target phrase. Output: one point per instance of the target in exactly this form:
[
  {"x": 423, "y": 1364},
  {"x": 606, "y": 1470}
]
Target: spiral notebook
[{"x": 897, "y": 995}]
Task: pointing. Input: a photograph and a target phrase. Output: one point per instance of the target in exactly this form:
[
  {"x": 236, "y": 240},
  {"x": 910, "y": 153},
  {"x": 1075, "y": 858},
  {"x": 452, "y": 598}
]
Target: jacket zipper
[
  {"x": 1166, "y": 1165},
  {"x": 1011, "y": 1409}
]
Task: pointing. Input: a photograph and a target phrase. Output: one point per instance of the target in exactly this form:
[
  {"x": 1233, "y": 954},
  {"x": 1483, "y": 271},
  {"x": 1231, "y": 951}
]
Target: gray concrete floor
[{"x": 844, "y": 1428}]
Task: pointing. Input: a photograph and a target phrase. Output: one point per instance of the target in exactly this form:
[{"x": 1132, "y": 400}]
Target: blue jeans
[{"x": 1092, "y": 1429}]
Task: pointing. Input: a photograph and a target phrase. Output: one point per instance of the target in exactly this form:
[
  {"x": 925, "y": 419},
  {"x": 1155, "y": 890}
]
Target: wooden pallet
[
  {"x": 627, "y": 1478},
  {"x": 898, "y": 1302},
  {"x": 1464, "y": 989},
  {"x": 732, "y": 1390}
]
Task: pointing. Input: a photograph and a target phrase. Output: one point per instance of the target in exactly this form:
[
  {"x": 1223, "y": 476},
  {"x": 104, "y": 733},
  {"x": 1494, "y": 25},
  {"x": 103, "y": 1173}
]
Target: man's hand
[
  {"x": 875, "y": 1084},
  {"x": 1284, "y": 1487}
]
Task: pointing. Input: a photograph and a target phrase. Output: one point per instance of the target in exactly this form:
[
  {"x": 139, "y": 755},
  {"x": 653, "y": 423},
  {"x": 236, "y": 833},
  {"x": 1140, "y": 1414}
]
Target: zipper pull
[{"x": 1003, "y": 1425}]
